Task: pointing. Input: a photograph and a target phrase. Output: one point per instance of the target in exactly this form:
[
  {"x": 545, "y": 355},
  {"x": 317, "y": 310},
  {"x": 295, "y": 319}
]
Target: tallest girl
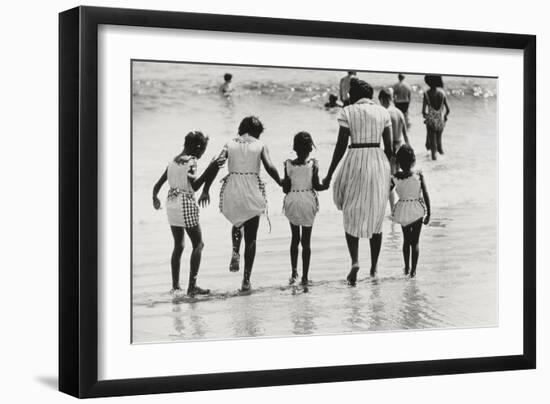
[{"x": 362, "y": 185}]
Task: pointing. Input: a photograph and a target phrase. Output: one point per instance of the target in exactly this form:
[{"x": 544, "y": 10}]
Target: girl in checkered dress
[
  {"x": 182, "y": 209},
  {"x": 301, "y": 204}
]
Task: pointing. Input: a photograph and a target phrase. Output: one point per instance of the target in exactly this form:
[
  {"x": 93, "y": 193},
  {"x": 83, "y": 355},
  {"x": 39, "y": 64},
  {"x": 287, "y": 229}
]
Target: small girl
[
  {"x": 182, "y": 209},
  {"x": 301, "y": 203},
  {"x": 242, "y": 196},
  {"x": 413, "y": 203}
]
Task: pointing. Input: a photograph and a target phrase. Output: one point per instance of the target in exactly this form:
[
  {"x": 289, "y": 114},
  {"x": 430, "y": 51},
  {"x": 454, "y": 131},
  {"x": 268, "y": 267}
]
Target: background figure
[
  {"x": 362, "y": 185},
  {"x": 345, "y": 86},
  {"x": 402, "y": 97},
  {"x": 226, "y": 88},
  {"x": 332, "y": 102},
  {"x": 399, "y": 131},
  {"x": 432, "y": 111}
]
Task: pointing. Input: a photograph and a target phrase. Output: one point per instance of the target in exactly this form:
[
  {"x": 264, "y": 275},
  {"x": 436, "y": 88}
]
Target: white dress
[
  {"x": 181, "y": 207},
  {"x": 410, "y": 206},
  {"x": 301, "y": 203},
  {"x": 362, "y": 185},
  {"x": 242, "y": 195}
]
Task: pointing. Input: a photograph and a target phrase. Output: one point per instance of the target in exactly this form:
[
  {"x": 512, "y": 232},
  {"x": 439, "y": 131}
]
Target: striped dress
[{"x": 362, "y": 185}]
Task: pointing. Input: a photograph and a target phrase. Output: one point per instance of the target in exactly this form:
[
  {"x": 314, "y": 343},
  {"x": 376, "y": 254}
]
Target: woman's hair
[
  {"x": 303, "y": 143},
  {"x": 385, "y": 95},
  {"x": 251, "y": 125},
  {"x": 359, "y": 89},
  {"x": 405, "y": 156},
  {"x": 195, "y": 142},
  {"x": 433, "y": 80}
]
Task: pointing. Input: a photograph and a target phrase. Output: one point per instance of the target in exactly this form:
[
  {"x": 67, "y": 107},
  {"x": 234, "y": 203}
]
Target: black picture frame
[{"x": 78, "y": 201}]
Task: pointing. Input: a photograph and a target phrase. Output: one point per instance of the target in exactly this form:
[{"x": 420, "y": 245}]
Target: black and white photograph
[{"x": 279, "y": 202}]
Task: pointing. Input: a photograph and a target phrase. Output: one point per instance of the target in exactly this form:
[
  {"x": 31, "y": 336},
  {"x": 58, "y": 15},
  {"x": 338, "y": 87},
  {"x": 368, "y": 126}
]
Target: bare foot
[
  {"x": 352, "y": 276},
  {"x": 406, "y": 271}
]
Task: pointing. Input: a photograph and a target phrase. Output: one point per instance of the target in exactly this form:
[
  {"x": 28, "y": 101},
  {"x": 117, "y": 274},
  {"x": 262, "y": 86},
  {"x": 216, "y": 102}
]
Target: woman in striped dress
[{"x": 362, "y": 184}]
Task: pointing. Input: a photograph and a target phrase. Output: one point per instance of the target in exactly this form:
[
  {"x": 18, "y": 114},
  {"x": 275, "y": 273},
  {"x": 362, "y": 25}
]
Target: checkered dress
[{"x": 181, "y": 207}]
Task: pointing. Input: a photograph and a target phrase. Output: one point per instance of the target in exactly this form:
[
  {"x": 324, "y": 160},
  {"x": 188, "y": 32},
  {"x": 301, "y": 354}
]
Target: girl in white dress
[
  {"x": 413, "y": 205},
  {"x": 301, "y": 204},
  {"x": 242, "y": 196},
  {"x": 182, "y": 209}
]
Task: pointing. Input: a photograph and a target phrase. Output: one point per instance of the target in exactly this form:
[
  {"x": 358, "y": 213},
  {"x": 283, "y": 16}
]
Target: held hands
[
  {"x": 204, "y": 199},
  {"x": 326, "y": 182},
  {"x": 427, "y": 219},
  {"x": 156, "y": 202}
]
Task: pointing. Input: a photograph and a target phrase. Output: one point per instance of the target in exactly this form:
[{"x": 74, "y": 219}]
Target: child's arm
[
  {"x": 269, "y": 167},
  {"x": 404, "y": 129},
  {"x": 157, "y": 187},
  {"x": 339, "y": 151},
  {"x": 286, "y": 180},
  {"x": 387, "y": 138},
  {"x": 426, "y": 197},
  {"x": 424, "y": 105},
  {"x": 207, "y": 178},
  {"x": 315, "y": 178},
  {"x": 446, "y": 107}
]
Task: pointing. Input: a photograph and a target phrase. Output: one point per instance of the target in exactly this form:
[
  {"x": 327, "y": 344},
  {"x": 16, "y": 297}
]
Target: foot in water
[
  {"x": 373, "y": 272},
  {"x": 234, "y": 264},
  {"x": 197, "y": 291},
  {"x": 406, "y": 271},
  {"x": 245, "y": 286},
  {"x": 293, "y": 277},
  {"x": 352, "y": 276},
  {"x": 413, "y": 273},
  {"x": 176, "y": 292},
  {"x": 305, "y": 282}
]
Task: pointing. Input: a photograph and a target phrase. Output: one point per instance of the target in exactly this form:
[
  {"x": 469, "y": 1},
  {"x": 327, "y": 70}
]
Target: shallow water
[{"x": 456, "y": 285}]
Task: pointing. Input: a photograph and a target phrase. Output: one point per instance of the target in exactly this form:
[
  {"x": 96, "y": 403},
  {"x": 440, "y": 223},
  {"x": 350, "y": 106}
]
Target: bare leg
[
  {"x": 250, "y": 234},
  {"x": 433, "y": 143},
  {"x": 236, "y": 237},
  {"x": 375, "y": 244},
  {"x": 306, "y": 252},
  {"x": 438, "y": 141},
  {"x": 294, "y": 243},
  {"x": 353, "y": 249},
  {"x": 406, "y": 249},
  {"x": 195, "y": 235},
  {"x": 416, "y": 227},
  {"x": 178, "y": 235}
]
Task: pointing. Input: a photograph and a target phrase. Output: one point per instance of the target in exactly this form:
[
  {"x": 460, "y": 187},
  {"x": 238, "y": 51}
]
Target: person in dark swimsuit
[{"x": 433, "y": 103}]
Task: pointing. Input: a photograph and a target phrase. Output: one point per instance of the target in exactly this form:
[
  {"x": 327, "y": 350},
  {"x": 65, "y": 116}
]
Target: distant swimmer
[
  {"x": 344, "y": 87},
  {"x": 226, "y": 88},
  {"x": 332, "y": 102},
  {"x": 402, "y": 97}
]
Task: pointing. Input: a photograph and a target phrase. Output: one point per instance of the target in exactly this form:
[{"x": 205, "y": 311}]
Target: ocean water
[{"x": 457, "y": 277}]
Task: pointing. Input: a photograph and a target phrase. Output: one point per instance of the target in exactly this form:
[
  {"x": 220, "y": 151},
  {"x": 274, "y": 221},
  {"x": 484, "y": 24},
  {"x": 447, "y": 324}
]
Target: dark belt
[{"x": 363, "y": 145}]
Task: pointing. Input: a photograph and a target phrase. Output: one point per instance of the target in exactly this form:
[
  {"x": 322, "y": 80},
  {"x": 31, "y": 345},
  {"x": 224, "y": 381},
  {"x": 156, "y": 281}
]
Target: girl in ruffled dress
[
  {"x": 413, "y": 207},
  {"x": 242, "y": 197},
  {"x": 301, "y": 204}
]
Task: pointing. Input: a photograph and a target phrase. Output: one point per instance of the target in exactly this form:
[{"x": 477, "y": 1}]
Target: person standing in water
[
  {"x": 413, "y": 207},
  {"x": 226, "y": 88},
  {"x": 301, "y": 203},
  {"x": 362, "y": 184},
  {"x": 399, "y": 132},
  {"x": 181, "y": 208},
  {"x": 344, "y": 87},
  {"x": 402, "y": 97},
  {"x": 242, "y": 196},
  {"x": 433, "y": 103}
]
